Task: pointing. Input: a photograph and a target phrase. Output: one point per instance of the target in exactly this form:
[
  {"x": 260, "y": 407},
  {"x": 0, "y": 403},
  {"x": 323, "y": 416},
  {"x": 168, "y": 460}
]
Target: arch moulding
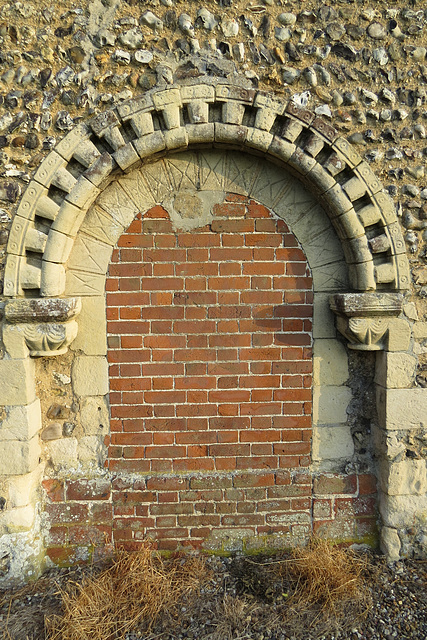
[
  {"x": 41, "y": 309},
  {"x": 169, "y": 120}
]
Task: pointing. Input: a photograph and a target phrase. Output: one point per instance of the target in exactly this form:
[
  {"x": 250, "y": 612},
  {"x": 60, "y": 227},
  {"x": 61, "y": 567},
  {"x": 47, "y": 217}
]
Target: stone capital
[
  {"x": 369, "y": 320},
  {"x": 39, "y": 327}
]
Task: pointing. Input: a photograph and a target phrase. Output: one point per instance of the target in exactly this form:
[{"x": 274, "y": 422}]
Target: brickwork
[
  {"x": 226, "y": 512},
  {"x": 209, "y": 338}
]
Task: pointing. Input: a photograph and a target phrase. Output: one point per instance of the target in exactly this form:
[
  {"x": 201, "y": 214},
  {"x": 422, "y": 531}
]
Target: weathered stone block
[
  {"x": 92, "y": 339},
  {"x": 63, "y": 453},
  {"x": 91, "y": 450},
  {"x": 90, "y": 376},
  {"x": 395, "y": 370},
  {"x": 332, "y": 442},
  {"x": 408, "y": 477},
  {"x": 323, "y": 318},
  {"x": 22, "y": 490},
  {"x": 94, "y": 415},
  {"x": 403, "y": 511},
  {"x": 330, "y": 404},
  {"x": 19, "y": 457},
  {"x": 390, "y": 543},
  {"x": 16, "y": 520},
  {"x": 330, "y": 364},
  {"x": 420, "y": 330},
  {"x": 402, "y": 408},
  {"x": 21, "y": 422},
  {"x": 17, "y": 382}
]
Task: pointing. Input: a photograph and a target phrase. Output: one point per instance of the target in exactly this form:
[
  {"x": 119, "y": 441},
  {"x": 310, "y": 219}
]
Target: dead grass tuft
[
  {"x": 135, "y": 590},
  {"x": 233, "y": 617},
  {"x": 326, "y": 575}
]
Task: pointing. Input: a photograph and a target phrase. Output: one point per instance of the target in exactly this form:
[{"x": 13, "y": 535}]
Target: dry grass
[
  {"x": 135, "y": 590},
  {"x": 326, "y": 575},
  {"x": 319, "y": 588},
  {"x": 233, "y": 615}
]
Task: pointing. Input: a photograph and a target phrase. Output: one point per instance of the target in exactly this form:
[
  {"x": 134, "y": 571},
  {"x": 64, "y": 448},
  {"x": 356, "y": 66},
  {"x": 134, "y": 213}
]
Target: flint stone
[
  {"x": 290, "y": 75},
  {"x": 121, "y": 56},
  {"x": 380, "y": 55},
  {"x": 186, "y": 25},
  {"x": 142, "y": 56},
  {"x": 230, "y": 28},
  {"x": 150, "y": 20},
  {"x": 287, "y": 19},
  {"x": 335, "y": 30},
  {"x": 206, "y": 19},
  {"x": 132, "y": 38},
  {"x": 376, "y": 31}
]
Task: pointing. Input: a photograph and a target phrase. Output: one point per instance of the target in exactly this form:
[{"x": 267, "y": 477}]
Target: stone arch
[
  {"x": 82, "y": 196},
  {"x": 217, "y": 114}
]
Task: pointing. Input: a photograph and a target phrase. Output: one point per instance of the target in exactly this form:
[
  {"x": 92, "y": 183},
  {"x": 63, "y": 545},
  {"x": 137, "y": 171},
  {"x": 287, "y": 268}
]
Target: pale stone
[
  {"x": 17, "y": 382},
  {"x": 23, "y": 489},
  {"x": 117, "y": 202},
  {"x": 399, "y": 334},
  {"x": 19, "y": 457},
  {"x": 408, "y": 477},
  {"x": 402, "y": 408},
  {"x": 330, "y": 404},
  {"x": 420, "y": 330},
  {"x": 63, "y": 453},
  {"x": 80, "y": 283},
  {"x": 52, "y": 279},
  {"x": 21, "y": 422},
  {"x": 323, "y": 318},
  {"x": 178, "y": 173},
  {"x": 390, "y": 543},
  {"x": 102, "y": 226},
  {"x": 14, "y": 341},
  {"x": 89, "y": 254},
  {"x": 94, "y": 416},
  {"x": 403, "y": 511},
  {"x": 16, "y": 520},
  {"x": 317, "y": 236},
  {"x": 332, "y": 442},
  {"x": 330, "y": 363},
  {"x": 90, "y": 450},
  {"x": 271, "y": 184},
  {"x": 92, "y": 335},
  {"x": 83, "y": 193},
  {"x": 328, "y": 277},
  {"x": 395, "y": 370},
  {"x": 90, "y": 376},
  {"x": 24, "y": 553}
]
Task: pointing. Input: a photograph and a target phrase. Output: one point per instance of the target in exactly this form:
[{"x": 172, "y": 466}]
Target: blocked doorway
[{"x": 209, "y": 336}]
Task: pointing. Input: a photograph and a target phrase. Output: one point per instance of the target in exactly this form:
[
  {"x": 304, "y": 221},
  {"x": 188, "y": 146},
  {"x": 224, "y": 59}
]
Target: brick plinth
[{"x": 247, "y": 511}]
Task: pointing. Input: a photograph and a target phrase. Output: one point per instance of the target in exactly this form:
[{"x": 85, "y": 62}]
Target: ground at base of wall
[{"x": 241, "y": 600}]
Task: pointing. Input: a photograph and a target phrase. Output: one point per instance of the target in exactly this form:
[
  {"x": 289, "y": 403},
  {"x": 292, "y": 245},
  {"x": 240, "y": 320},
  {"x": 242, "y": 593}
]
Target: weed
[{"x": 135, "y": 590}]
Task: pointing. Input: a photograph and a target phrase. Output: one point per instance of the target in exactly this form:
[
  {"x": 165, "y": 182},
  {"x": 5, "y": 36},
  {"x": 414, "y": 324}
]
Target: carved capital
[
  {"x": 49, "y": 339},
  {"x": 364, "y": 334},
  {"x": 369, "y": 320},
  {"x": 40, "y": 327}
]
